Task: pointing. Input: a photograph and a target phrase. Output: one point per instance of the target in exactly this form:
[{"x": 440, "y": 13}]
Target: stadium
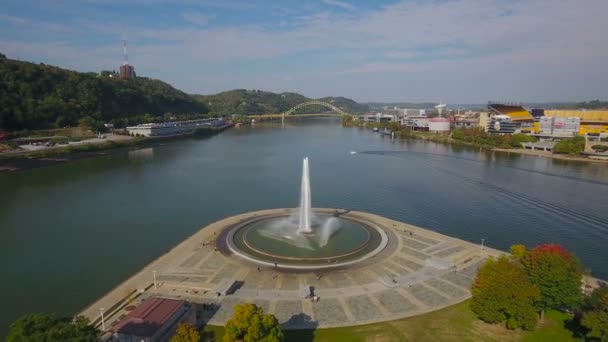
[{"x": 508, "y": 118}]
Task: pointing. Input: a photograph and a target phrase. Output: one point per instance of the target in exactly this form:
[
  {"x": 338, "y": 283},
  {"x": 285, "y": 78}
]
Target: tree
[
  {"x": 250, "y": 324},
  {"x": 573, "y": 146},
  {"x": 186, "y": 333},
  {"x": 557, "y": 273},
  {"x": 45, "y": 327},
  {"x": 519, "y": 138},
  {"x": 518, "y": 251},
  {"x": 595, "y": 316},
  {"x": 503, "y": 293}
]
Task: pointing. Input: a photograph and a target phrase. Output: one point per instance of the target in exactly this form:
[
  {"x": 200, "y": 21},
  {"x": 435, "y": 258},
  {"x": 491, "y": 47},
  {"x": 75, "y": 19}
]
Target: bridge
[{"x": 315, "y": 103}]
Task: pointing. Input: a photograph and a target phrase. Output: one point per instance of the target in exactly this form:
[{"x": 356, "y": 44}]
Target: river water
[{"x": 71, "y": 232}]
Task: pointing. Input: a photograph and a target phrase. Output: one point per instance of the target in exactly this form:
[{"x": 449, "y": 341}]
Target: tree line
[
  {"x": 38, "y": 96},
  {"x": 258, "y": 102}
]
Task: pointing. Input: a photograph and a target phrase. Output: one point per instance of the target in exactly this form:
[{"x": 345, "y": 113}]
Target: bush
[
  {"x": 600, "y": 148},
  {"x": 572, "y": 146},
  {"x": 519, "y": 138}
]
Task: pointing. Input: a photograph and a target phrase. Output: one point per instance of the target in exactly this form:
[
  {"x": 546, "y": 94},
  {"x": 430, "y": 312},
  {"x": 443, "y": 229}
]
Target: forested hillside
[
  {"x": 253, "y": 102},
  {"x": 35, "y": 96}
]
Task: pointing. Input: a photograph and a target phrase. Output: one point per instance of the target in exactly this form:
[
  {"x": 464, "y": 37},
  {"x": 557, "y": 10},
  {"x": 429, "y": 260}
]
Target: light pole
[
  {"x": 154, "y": 275},
  {"x": 103, "y": 321}
]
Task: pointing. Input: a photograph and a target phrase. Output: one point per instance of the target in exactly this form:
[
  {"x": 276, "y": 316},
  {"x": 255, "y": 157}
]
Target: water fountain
[
  {"x": 304, "y": 235},
  {"x": 305, "y": 207}
]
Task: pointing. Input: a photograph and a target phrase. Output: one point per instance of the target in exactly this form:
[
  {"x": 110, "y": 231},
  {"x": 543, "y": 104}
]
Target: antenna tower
[{"x": 124, "y": 50}]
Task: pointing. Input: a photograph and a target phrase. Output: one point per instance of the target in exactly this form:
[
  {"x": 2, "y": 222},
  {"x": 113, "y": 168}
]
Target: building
[
  {"x": 439, "y": 125},
  {"x": 558, "y": 126},
  {"x": 127, "y": 71},
  {"x": 155, "y": 319},
  {"x": 416, "y": 123},
  {"x": 521, "y": 119},
  {"x": 378, "y": 117},
  {"x": 501, "y": 124},
  {"x": 467, "y": 122},
  {"x": 591, "y": 121},
  {"x": 173, "y": 127}
]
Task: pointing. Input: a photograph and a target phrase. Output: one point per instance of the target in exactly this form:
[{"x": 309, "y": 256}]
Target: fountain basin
[{"x": 258, "y": 240}]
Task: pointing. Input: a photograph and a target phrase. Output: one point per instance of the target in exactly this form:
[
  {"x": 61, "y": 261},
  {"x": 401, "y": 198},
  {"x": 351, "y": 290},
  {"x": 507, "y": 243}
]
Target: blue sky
[{"x": 458, "y": 51}]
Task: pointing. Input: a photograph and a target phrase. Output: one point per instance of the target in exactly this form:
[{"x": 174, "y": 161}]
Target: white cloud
[
  {"x": 342, "y": 4},
  {"x": 451, "y": 42}
]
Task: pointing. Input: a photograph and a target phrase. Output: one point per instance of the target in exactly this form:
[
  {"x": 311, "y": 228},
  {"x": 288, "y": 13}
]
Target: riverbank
[
  {"x": 448, "y": 139},
  {"x": 19, "y": 160},
  {"x": 546, "y": 154}
]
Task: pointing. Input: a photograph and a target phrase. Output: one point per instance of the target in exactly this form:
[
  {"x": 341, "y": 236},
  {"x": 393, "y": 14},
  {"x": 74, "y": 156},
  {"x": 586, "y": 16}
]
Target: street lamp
[
  {"x": 103, "y": 321},
  {"x": 154, "y": 275}
]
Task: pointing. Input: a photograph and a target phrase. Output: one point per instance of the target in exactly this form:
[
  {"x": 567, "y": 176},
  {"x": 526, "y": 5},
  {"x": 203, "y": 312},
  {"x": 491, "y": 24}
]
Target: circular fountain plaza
[
  {"x": 335, "y": 241},
  {"x": 311, "y": 268}
]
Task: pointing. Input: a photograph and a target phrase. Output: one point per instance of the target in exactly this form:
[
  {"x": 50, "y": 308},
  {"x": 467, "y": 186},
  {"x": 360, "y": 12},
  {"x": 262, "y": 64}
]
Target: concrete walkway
[{"x": 419, "y": 271}]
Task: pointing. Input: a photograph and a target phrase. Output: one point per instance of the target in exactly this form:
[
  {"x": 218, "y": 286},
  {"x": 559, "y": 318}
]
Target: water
[
  {"x": 305, "y": 207},
  {"x": 71, "y": 232}
]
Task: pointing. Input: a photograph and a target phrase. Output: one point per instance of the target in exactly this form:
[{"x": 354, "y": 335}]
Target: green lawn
[{"x": 455, "y": 323}]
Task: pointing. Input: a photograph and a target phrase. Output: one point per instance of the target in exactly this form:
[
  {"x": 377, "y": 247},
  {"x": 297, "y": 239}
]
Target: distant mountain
[
  {"x": 254, "y": 102},
  {"x": 36, "y": 96}
]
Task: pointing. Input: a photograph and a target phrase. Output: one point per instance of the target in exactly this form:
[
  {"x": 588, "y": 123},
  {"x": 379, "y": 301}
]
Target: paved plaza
[{"x": 418, "y": 271}]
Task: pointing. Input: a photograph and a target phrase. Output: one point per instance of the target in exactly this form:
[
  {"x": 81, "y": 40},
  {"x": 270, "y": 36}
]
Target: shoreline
[
  {"x": 446, "y": 139},
  {"x": 546, "y": 154},
  {"x": 23, "y": 160}
]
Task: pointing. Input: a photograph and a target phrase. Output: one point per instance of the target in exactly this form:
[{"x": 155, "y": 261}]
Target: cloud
[
  {"x": 196, "y": 18},
  {"x": 342, "y": 4},
  {"x": 447, "y": 41}
]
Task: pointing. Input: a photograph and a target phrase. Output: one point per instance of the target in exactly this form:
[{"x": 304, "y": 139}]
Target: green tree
[
  {"x": 45, "y": 327},
  {"x": 557, "y": 273},
  {"x": 518, "y": 138},
  {"x": 572, "y": 146},
  {"x": 503, "y": 293},
  {"x": 250, "y": 324},
  {"x": 595, "y": 315},
  {"x": 186, "y": 333}
]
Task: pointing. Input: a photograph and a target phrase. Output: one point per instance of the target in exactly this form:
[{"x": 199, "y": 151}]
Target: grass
[
  {"x": 552, "y": 330},
  {"x": 455, "y": 323}
]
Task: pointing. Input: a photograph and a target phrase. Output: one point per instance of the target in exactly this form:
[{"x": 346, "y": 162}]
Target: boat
[
  {"x": 386, "y": 132},
  {"x": 375, "y": 129}
]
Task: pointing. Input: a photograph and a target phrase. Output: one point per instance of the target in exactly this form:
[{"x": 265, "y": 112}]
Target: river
[{"x": 70, "y": 232}]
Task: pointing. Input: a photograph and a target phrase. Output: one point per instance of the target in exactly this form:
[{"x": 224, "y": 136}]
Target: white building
[
  {"x": 416, "y": 123},
  {"x": 439, "y": 125},
  {"x": 172, "y": 128}
]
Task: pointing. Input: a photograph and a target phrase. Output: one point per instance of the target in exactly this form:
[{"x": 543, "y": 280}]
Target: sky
[{"x": 455, "y": 51}]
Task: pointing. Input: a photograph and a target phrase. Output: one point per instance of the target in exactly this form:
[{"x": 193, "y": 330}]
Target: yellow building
[{"x": 592, "y": 121}]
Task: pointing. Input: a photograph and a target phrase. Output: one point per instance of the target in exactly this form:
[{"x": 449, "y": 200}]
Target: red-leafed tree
[{"x": 557, "y": 273}]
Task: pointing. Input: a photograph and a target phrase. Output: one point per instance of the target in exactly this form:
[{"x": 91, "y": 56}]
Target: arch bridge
[{"x": 316, "y": 103}]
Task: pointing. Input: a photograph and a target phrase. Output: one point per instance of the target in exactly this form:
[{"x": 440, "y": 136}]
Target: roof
[{"x": 148, "y": 317}]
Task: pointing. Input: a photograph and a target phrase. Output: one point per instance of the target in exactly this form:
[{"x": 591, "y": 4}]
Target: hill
[
  {"x": 253, "y": 102},
  {"x": 38, "y": 96}
]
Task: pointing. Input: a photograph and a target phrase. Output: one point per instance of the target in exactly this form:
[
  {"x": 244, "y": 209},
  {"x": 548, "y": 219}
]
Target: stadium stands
[{"x": 517, "y": 113}]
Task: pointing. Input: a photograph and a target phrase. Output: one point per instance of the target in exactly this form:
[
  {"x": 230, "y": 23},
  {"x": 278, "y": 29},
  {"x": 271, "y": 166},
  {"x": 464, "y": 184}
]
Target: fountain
[
  {"x": 305, "y": 208},
  {"x": 304, "y": 236}
]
